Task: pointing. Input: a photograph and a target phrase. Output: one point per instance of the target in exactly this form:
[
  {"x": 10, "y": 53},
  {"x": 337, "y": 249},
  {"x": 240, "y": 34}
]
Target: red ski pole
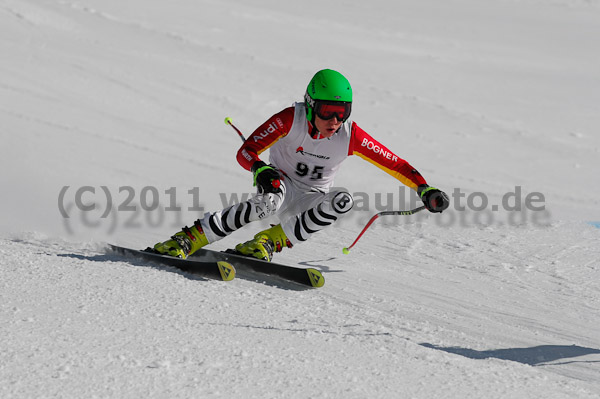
[
  {"x": 346, "y": 250},
  {"x": 229, "y": 121}
]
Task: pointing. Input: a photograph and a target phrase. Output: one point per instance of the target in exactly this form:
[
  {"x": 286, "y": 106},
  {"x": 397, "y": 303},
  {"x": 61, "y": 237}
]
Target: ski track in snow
[{"x": 133, "y": 94}]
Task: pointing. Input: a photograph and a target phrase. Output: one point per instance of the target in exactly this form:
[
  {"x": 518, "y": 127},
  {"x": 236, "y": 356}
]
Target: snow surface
[{"x": 127, "y": 98}]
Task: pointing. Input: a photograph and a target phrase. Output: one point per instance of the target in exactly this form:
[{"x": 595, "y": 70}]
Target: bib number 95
[{"x": 302, "y": 170}]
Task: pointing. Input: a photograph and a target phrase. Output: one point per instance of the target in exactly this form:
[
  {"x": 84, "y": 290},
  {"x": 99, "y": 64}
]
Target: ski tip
[
  {"x": 316, "y": 278},
  {"x": 227, "y": 270},
  {"x": 346, "y": 250}
]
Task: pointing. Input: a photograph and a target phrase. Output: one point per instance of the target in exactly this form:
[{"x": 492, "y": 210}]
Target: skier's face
[{"x": 328, "y": 127}]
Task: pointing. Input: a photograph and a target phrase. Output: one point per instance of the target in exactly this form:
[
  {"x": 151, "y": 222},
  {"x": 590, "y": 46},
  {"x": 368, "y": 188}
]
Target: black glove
[
  {"x": 266, "y": 178},
  {"x": 435, "y": 200}
]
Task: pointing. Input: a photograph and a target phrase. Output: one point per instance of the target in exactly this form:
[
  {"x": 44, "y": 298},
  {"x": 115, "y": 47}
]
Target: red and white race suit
[{"x": 309, "y": 164}]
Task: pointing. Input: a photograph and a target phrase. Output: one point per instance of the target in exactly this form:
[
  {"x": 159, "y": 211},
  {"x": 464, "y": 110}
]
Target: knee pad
[
  {"x": 267, "y": 204},
  {"x": 342, "y": 202}
]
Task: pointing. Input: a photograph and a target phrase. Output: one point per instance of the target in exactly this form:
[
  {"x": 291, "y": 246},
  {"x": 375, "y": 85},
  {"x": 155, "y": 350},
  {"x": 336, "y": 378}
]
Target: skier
[{"x": 308, "y": 142}]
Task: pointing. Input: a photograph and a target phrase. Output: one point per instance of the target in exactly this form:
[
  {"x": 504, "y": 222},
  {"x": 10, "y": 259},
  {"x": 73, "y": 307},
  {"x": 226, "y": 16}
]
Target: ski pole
[
  {"x": 346, "y": 250},
  {"x": 228, "y": 121}
]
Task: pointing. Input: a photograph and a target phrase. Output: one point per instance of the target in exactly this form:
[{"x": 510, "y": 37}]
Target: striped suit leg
[
  {"x": 328, "y": 211},
  {"x": 220, "y": 224}
]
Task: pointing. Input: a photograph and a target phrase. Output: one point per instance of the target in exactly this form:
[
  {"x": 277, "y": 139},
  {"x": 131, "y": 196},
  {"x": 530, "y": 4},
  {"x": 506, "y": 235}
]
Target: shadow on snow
[{"x": 534, "y": 356}]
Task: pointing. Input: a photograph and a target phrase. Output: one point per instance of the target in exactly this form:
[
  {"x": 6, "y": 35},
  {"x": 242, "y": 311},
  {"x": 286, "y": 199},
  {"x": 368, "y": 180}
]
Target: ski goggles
[{"x": 328, "y": 109}]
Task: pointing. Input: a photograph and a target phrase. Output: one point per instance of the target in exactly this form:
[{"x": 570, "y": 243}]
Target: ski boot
[
  {"x": 183, "y": 243},
  {"x": 265, "y": 243}
]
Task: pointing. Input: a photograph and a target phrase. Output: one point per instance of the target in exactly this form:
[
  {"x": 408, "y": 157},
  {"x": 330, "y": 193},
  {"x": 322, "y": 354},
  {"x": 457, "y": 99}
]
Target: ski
[
  {"x": 225, "y": 265},
  {"x": 217, "y": 268},
  {"x": 309, "y": 276}
]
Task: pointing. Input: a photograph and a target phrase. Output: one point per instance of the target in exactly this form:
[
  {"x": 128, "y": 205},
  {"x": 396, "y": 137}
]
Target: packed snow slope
[{"x": 111, "y": 127}]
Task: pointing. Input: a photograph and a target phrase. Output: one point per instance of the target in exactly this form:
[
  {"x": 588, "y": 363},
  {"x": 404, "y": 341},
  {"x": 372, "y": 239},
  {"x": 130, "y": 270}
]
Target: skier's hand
[
  {"x": 266, "y": 178},
  {"x": 435, "y": 200}
]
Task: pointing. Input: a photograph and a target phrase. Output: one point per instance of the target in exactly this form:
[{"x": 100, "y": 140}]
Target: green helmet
[{"x": 327, "y": 86}]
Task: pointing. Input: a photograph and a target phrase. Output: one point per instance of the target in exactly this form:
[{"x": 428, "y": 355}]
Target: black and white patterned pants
[{"x": 302, "y": 211}]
